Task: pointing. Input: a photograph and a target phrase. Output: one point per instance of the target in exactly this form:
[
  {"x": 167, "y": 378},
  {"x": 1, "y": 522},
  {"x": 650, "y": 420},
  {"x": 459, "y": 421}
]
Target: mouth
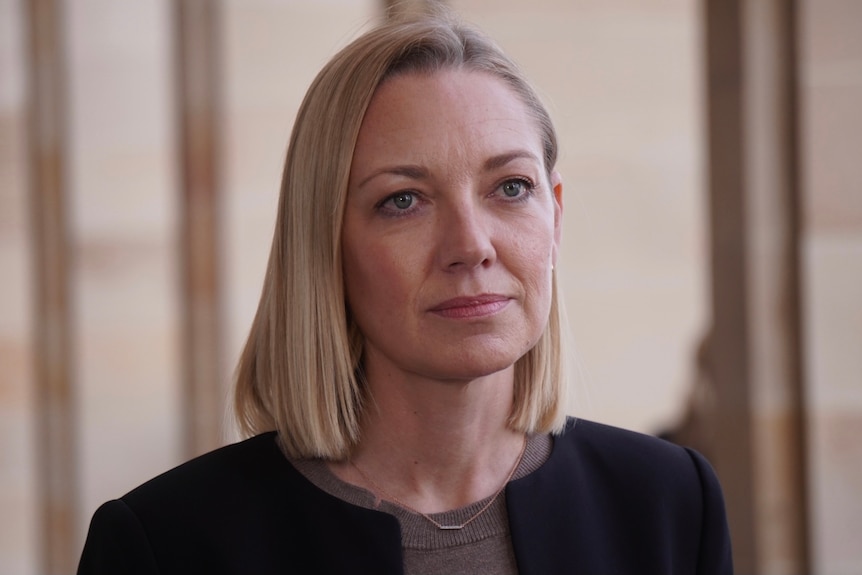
[{"x": 471, "y": 306}]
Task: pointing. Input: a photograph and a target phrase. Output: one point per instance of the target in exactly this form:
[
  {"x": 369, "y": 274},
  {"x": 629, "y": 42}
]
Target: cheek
[
  {"x": 534, "y": 246},
  {"x": 534, "y": 255},
  {"x": 376, "y": 279},
  {"x": 358, "y": 280}
]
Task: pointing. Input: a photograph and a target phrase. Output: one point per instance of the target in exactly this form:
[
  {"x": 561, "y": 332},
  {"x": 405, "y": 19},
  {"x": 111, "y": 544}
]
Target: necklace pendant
[{"x": 383, "y": 495}]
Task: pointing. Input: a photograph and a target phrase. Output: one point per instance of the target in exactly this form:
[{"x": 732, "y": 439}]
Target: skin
[{"x": 451, "y": 229}]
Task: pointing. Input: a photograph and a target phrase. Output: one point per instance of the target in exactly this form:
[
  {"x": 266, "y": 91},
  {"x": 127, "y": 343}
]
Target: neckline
[
  {"x": 431, "y": 517},
  {"x": 416, "y": 531}
]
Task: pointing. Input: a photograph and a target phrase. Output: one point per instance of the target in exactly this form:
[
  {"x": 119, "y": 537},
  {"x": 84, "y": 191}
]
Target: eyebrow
[
  {"x": 408, "y": 171},
  {"x": 415, "y": 172},
  {"x": 500, "y": 160}
]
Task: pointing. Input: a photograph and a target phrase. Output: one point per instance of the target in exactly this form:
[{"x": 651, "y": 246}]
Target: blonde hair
[{"x": 299, "y": 372}]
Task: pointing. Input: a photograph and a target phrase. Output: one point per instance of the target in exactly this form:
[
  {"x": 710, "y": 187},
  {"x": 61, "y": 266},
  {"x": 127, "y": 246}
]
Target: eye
[
  {"x": 399, "y": 204},
  {"x": 516, "y": 187},
  {"x": 402, "y": 200}
]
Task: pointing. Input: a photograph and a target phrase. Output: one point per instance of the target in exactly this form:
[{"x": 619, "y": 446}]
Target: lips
[{"x": 471, "y": 306}]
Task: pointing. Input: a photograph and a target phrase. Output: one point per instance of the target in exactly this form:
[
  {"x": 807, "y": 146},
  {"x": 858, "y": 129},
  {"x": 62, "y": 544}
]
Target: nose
[{"x": 465, "y": 238}]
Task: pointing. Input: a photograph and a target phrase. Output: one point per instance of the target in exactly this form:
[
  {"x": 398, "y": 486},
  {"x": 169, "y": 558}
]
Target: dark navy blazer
[{"x": 607, "y": 502}]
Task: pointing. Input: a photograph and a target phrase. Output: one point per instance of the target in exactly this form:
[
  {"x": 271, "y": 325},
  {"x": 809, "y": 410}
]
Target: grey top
[{"x": 483, "y": 546}]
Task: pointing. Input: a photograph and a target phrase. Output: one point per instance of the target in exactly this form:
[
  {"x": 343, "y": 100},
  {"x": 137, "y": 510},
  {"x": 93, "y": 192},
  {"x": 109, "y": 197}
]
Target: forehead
[
  {"x": 446, "y": 111},
  {"x": 448, "y": 84}
]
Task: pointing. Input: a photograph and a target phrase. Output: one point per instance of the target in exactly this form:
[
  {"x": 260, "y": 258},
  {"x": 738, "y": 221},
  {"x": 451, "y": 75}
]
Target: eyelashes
[
  {"x": 399, "y": 203},
  {"x": 406, "y": 202},
  {"x": 517, "y": 188}
]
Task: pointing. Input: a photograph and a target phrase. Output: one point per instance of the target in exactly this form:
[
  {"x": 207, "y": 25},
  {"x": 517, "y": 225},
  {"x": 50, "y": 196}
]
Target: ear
[{"x": 557, "y": 187}]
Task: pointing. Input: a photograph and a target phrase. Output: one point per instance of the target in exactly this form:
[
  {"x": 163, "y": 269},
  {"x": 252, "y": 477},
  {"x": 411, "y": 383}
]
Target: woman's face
[{"x": 451, "y": 228}]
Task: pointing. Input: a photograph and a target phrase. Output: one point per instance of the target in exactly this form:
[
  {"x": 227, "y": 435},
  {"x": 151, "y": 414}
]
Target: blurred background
[{"x": 712, "y": 258}]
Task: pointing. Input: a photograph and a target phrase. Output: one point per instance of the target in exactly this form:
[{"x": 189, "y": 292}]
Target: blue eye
[
  {"x": 402, "y": 201},
  {"x": 515, "y": 188},
  {"x": 399, "y": 204}
]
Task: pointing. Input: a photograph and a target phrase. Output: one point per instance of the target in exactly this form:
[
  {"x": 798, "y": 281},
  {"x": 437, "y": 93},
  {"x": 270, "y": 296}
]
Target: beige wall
[
  {"x": 122, "y": 191},
  {"x": 17, "y": 421}
]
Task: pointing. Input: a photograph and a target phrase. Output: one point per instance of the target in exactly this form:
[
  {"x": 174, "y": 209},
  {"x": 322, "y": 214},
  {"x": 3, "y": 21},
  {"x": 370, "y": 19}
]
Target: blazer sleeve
[
  {"x": 714, "y": 557},
  {"x": 117, "y": 544}
]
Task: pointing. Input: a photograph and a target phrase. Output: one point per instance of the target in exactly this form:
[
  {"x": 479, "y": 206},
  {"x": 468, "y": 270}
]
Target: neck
[{"x": 436, "y": 445}]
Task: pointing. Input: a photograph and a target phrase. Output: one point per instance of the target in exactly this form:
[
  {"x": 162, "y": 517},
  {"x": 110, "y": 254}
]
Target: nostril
[
  {"x": 464, "y": 239},
  {"x": 470, "y": 257}
]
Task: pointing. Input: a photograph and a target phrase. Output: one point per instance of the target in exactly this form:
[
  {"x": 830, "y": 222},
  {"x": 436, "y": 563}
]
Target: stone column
[
  {"x": 754, "y": 210},
  {"x": 198, "y": 91},
  {"x": 831, "y": 114},
  {"x": 55, "y": 401}
]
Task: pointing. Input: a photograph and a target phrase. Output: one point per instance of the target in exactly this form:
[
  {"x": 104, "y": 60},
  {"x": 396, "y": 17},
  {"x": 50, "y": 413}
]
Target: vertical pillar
[
  {"x": 198, "y": 105},
  {"x": 753, "y": 188},
  {"x": 773, "y": 198},
  {"x": 831, "y": 93},
  {"x": 54, "y": 386},
  {"x": 729, "y": 345}
]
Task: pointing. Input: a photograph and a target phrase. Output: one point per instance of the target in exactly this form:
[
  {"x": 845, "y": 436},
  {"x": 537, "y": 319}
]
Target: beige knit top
[{"x": 483, "y": 546}]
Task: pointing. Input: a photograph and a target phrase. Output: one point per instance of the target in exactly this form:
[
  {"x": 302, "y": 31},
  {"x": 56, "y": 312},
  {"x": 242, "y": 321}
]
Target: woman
[{"x": 402, "y": 380}]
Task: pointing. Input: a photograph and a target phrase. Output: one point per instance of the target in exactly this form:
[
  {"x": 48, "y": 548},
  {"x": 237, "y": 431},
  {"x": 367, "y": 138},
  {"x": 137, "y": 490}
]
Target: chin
[{"x": 481, "y": 363}]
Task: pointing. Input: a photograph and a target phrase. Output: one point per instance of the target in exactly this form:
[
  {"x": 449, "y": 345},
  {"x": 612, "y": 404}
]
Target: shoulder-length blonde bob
[{"x": 300, "y": 371}]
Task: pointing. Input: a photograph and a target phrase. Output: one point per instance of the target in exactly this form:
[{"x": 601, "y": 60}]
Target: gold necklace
[{"x": 385, "y": 495}]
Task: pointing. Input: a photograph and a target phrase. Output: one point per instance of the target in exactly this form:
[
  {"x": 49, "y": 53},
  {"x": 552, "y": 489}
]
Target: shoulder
[
  {"x": 221, "y": 492},
  {"x": 639, "y": 468},
  {"x": 588, "y": 436},
  {"x": 614, "y": 448},
  {"x": 208, "y": 503},
  {"x": 239, "y": 509},
  {"x": 625, "y": 502},
  {"x": 240, "y": 492},
  {"x": 235, "y": 466}
]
